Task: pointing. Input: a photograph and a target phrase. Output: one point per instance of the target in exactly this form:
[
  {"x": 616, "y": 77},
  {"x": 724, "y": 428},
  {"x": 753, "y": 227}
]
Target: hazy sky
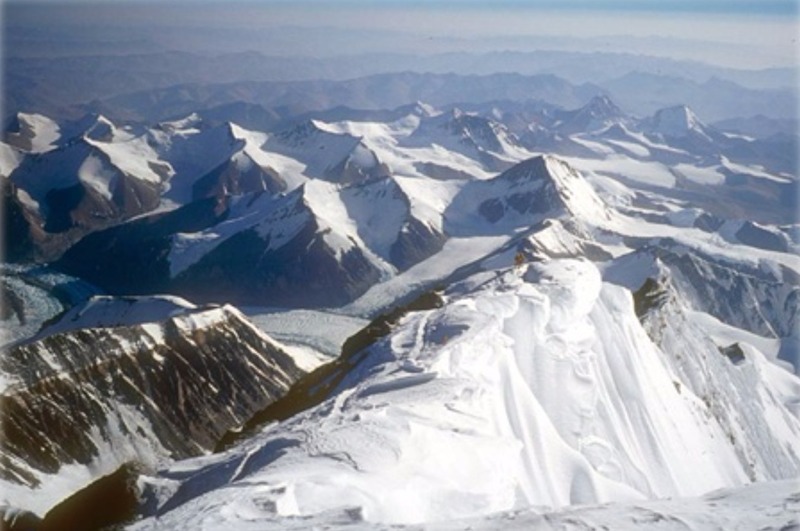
[{"x": 750, "y": 34}]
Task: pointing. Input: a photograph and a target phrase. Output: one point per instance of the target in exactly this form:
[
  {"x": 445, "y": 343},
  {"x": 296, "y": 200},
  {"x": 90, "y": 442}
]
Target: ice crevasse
[{"x": 529, "y": 387}]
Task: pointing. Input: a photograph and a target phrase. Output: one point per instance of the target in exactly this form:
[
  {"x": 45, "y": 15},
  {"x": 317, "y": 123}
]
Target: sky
[{"x": 743, "y": 33}]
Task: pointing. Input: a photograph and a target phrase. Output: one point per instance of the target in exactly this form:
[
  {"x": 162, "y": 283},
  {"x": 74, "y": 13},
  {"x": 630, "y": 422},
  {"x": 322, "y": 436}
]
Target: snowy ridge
[
  {"x": 540, "y": 390},
  {"x": 102, "y": 311},
  {"x": 395, "y": 223},
  {"x": 135, "y": 157},
  {"x": 192, "y": 153},
  {"x": 718, "y": 285}
]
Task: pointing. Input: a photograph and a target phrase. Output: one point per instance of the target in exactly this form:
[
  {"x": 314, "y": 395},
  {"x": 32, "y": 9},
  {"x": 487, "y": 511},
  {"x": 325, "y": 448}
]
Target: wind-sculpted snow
[
  {"x": 531, "y": 387},
  {"x": 115, "y": 381}
]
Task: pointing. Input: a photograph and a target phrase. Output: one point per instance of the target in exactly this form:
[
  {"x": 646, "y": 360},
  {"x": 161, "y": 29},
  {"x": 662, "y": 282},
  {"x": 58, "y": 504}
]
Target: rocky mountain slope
[{"x": 128, "y": 380}]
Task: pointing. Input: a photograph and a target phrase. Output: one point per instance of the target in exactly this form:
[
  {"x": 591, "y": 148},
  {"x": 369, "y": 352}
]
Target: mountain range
[{"x": 535, "y": 305}]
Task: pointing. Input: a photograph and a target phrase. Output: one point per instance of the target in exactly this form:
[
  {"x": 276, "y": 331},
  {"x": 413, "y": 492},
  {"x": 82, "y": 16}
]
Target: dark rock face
[
  {"x": 652, "y": 295},
  {"x": 755, "y": 236},
  {"x": 109, "y": 501},
  {"x": 16, "y": 520},
  {"x": 734, "y": 353},
  {"x": 416, "y": 242},
  {"x": 229, "y": 179},
  {"x": 174, "y": 387},
  {"x": 304, "y": 272},
  {"x": 131, "y": 258}
]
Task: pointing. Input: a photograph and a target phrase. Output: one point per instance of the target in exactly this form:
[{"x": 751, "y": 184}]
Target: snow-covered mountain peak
[
  {"x": 192, "y": 121},
  {"x": 33, "y": 133},
  {"x": 598, "y": 114},
  {"x": 302, "y": 133},
  {"x": 564, "y": 183},
  {"x": 328, "y": 153},
  {"x": 676, "y": 121},
  {"x": 601, "y": 107},
  {"x": 423, "y": 109},
  {"x": 603, "y": 104},
  {"x": 530, "y": 192},
  {"x": 240, "y": 133}
]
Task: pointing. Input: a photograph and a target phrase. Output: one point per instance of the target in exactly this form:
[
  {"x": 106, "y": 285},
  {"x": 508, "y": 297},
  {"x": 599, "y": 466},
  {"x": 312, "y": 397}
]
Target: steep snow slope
[
  {"x": 533, "y": 387},
  {"x": 10, "y": 158},
  {"x": 747, "y": 389},
  {"x": 215, "y": 160}
]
